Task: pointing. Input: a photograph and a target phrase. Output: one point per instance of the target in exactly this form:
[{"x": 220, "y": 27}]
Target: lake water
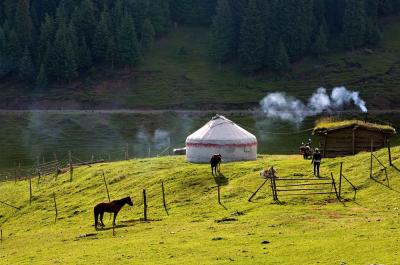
[{"x": 28, "y": 137}]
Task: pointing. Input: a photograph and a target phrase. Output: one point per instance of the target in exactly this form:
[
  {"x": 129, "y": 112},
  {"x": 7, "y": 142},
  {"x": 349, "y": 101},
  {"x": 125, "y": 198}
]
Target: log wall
[{"x": 349, "y": 141}]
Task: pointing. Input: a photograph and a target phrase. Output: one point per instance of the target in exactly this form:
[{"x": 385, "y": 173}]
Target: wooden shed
[{"x": 351, "y": 136}]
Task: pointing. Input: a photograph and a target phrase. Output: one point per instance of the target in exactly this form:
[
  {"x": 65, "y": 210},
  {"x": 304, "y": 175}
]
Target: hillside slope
[
  {"x": 178, "y": 73},
  {"x": 197, "y": 230}
]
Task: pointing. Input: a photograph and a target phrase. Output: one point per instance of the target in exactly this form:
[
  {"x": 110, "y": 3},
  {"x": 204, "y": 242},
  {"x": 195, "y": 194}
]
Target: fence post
[
  {"x": 15, "y": 172},
  {"x": 389, "y": 153},
  {"x": 105, "y": 183},
  {"x": 144, "y": 205},
  {"x": 219, "y": 194},
  {"x": 30, "y": 190},
  {"x": 370, "y": 166},
  {"x": 334, "y": 186},
  {"x": 71, "y": 168},
  {"x": 254, "y": 193},
  {"x": 340, "y": 179},
  {"x": 55, "y": 158},
  {"x": 55, "y": 206},
  {"x": 274, "y": 189},
  {"x": 126, "y": 151},
  {"x": 163, "y": 197},
  {"x": 38, "y": 180}
]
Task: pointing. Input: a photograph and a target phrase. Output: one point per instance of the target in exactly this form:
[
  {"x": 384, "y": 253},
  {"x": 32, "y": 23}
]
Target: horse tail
[{"x": 96, "y": 214}]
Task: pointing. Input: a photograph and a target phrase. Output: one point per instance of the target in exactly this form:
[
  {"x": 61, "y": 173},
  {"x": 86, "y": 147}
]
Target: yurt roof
[{"x": 221, "y": 131}]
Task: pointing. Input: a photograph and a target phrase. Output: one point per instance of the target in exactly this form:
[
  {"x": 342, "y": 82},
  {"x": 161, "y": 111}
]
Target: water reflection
[{"x": 29, "y": 137}]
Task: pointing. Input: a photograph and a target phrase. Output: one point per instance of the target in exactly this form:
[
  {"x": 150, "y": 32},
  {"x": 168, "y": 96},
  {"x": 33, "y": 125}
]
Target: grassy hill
[
  {"x": 179, "y": 74},
  {"x": 197, "y": 230}
]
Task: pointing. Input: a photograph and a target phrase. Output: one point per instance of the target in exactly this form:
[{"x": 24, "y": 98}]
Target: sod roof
[{"x": 326, "y": 126}]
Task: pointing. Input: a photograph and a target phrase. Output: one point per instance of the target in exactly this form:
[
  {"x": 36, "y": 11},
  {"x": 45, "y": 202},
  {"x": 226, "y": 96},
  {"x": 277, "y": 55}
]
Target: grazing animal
[
  {"x": 268, "y": 173},
  {"x": 109, "y": 207},
  {"x": 215, "y": 163}
]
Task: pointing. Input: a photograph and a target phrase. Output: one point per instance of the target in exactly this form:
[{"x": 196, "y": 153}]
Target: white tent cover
[{"x": 221, "y": 135}]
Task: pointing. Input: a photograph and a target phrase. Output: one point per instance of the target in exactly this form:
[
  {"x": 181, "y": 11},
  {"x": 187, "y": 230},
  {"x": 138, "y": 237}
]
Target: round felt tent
[{"x": 221, "y": 136}]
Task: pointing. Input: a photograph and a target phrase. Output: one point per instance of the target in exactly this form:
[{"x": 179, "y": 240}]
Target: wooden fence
[{"x": 303, "y": 187}]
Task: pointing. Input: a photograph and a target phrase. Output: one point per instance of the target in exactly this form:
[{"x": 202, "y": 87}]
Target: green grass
[
  {"x": 328, "y": 123},
  {"x": 313, "y": 230},
  {"x": 169, "y": 79}
]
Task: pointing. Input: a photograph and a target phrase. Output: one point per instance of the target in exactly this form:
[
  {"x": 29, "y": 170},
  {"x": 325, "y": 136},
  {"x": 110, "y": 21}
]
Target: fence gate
[{"x": 302, "y": 187}]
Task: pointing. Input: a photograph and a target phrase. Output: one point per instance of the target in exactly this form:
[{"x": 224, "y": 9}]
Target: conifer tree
[
  {"x": 237, "y": 7},
  {"x": 41, "y": 79},
  {"x": 26, "y": 71},
  {"x": 354, "y": 24},
  {"x": 280, "y": 59},
  {"x": 50, "y": 62},
  {"x": 60, "y": 51},
  {"x": 252, "y": 39},
  {"x": 14, "y": 46},
  {"x": 139, "y": 13},
  {"x": 72, "y": 36},
  {"x": 47, "y": 33},
  {"x": 111, "y": 51},
  {"x": 10, "y": 7},
  {"x": 159, "y": 12},
  {"x": 4, "y": 56},
  {"x": 3, "y": 44},
  {"x": 270, "y": 32},
  {"x": 320, "y": 45},
  {"x": 385, "y": 7},
  {"x": 128, "y": 52},
  {"x": 23, "y": 23},
  {"x": 85, "y": 18},
  {"x": 371, "y": 8},
  {"x": 148, "y": 34},
  {"x": 373, "y": 35},
  {"x": 70, "y": 70},
  {"x": 101, "y": 37},
  {"x": 84, "y": 56},
  {"x": 222, "y": 34}
]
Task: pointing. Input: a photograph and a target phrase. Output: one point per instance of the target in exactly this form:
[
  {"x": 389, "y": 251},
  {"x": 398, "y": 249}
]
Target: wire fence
[{"x": 54, "y": 162}]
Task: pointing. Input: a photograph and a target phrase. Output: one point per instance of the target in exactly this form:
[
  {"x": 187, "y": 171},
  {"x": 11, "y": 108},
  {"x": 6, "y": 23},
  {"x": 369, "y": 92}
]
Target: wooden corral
[{"x": 351, "y": 136}]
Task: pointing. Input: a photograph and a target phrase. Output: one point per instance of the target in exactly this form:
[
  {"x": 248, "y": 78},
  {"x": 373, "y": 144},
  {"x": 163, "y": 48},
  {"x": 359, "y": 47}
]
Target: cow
[{"x": 215, "y": 163}]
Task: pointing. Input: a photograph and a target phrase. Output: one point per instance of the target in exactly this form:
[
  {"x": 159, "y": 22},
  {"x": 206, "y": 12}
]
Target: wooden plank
[
  {"x": 300, "y": 189},
  {"x": 389, "y": 154},
  {"x": 353, "y": 141},
  {"x": 144, "y": 205},
  {"x": 372, "y": 149},
  {"x": 304, "y": 184},
  {"x": 312, "y": 193},
  {"x": 308, "y": 179},
  {"x": 334, "y": 186},
  {"x": 340, "y": 178},
  {"x": 254, "y": 193}
]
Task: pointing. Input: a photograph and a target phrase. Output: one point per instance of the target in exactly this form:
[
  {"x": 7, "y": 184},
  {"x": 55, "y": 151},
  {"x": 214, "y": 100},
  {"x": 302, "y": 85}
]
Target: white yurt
[{"x": 221, "y": 136}]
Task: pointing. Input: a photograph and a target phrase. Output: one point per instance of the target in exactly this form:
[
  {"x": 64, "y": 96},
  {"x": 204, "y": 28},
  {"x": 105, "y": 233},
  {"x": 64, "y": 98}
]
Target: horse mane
[{"x": 121, "y": 201}]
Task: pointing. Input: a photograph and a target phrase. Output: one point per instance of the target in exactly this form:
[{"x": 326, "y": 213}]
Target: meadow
[{"x": 195, "y": 229}]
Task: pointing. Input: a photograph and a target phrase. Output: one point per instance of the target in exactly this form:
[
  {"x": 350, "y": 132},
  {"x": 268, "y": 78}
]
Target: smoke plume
[{"x": 279, "y": 105}]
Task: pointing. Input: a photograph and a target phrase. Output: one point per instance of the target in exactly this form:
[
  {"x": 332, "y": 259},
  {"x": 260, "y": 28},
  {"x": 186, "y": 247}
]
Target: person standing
[{"x": 316, "y": 159}]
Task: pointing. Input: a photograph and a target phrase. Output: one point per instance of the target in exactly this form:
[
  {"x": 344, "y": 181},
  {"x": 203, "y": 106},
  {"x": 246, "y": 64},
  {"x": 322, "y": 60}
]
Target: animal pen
[{"x": 351, "y": 136}]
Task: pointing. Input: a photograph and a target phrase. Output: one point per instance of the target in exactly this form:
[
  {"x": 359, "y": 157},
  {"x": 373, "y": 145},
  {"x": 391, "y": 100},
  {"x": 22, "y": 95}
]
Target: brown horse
[{"x": 109, "y": 207}]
